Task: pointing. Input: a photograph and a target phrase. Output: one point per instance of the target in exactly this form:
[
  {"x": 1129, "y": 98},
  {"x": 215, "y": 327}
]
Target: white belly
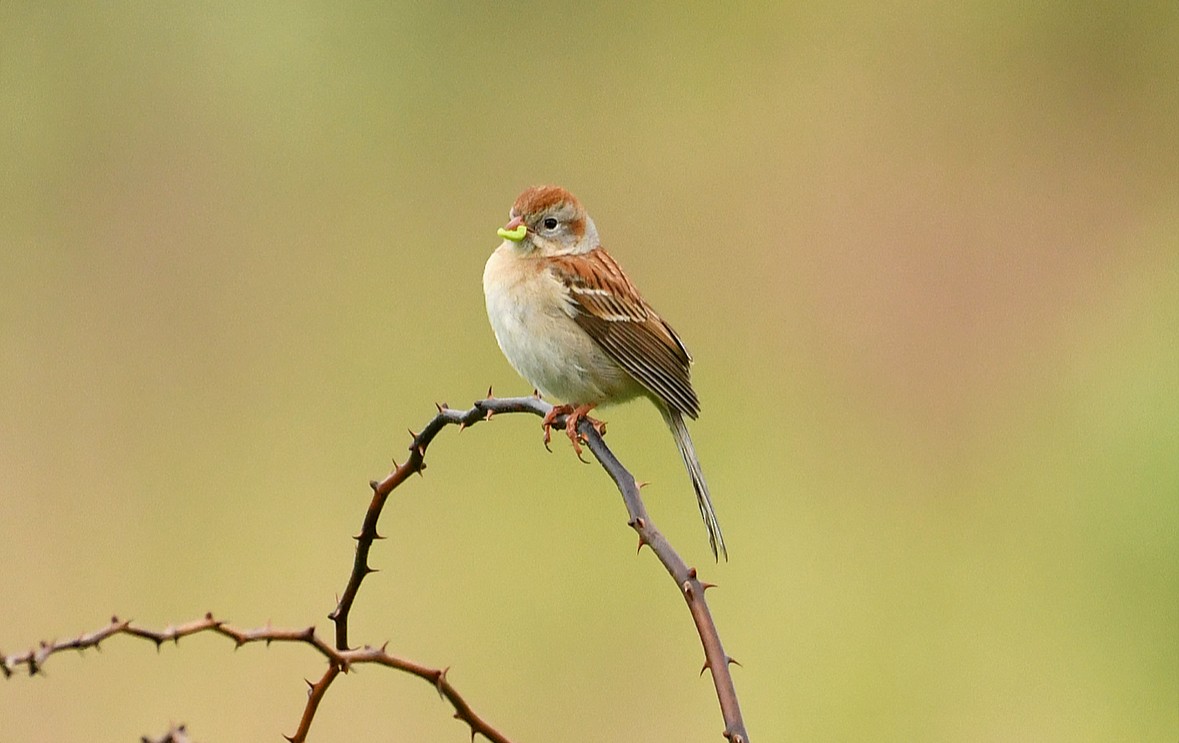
[{"x": 534, "y": 326}]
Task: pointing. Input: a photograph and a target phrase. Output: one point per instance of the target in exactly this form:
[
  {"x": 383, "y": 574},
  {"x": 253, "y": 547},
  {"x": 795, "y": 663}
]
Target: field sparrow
[{"x": 571, "y": 323}]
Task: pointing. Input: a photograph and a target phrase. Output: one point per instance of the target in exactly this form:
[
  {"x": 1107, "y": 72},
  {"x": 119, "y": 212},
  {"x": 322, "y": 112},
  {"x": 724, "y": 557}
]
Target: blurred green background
[{"x": 926, "y": 256}]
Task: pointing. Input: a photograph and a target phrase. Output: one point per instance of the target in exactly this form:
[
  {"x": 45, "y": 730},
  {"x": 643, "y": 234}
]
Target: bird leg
[
  {"x": 573, "y": 416},
  {"x": 547, "y": 422},
  {"x": 571, "y": 421}
]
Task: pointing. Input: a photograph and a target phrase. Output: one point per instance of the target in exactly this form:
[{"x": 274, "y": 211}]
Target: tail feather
[{"x": 675, "y": 421}]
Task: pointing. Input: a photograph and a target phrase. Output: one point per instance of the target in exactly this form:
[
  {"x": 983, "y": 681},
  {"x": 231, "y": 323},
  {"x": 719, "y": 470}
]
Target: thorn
[
  {"x": 733, "y": 661},
  {"x": 489, "y": 392},
  {"x": 704, "y": 667},
  {"x": 440, "y": 405},
  {"x": 378, "y": 536},
  {"x": 641, "y": 485},
  {"x": 706, "y": 586},
  {"x": 289, "y": 738},
  {"x": 422, "y": 453},
  {"x": 536, "y": 394},
  {"x": 462, "y": 426},
  {"x": 438, "y": 682},
  {"x": 642, "y": 544},
  {"x": 490, "y": 413},
  {"x": 412, "y": 435},
  {"x": 369, "y": 570}
]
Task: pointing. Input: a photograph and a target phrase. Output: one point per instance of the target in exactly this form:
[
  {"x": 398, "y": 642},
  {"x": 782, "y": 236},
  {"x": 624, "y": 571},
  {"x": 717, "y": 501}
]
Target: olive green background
[{"x": 926, "y": 256}]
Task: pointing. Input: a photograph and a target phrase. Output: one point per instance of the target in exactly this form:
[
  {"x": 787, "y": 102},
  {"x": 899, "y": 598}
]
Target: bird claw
[
  {"x": 547, "y": 422},
  {"x": 577, "y": 450},
  {"x": 573, "y": 416},
  {"x": 571, "y": 422}
]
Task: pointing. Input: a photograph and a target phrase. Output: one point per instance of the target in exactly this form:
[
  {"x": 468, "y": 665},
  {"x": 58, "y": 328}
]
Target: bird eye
[{"x": 550, "y": 223}]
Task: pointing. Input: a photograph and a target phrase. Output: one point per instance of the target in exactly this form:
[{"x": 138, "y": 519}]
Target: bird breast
[{"x": 532, "y": 317}]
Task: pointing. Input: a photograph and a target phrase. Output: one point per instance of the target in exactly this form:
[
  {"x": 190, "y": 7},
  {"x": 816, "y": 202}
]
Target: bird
[{"x": 571, "y": 322}]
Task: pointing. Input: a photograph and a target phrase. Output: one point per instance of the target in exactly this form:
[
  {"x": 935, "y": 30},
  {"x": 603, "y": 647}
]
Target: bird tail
[{"x": 675, "y": 421}]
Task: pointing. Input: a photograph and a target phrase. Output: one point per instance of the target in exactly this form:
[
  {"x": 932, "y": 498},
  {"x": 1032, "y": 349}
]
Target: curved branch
[
  {"x": 480, "y": 411},
  {"x": 715, "y": 659},
  {"x": 340, "y": 657},
  {"x": 338, "y": 661},
  {"x": 689, "y": 586}
]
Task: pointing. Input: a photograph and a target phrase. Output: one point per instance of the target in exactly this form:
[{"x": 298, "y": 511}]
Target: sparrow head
[{"x": 551, "y": 221}]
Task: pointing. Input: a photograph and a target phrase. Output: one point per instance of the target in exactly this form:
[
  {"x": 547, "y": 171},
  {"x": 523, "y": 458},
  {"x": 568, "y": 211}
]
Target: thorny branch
[
  {"x": 340, "y": 657},
  {"x": 692, "y": 589},
  {"x": 33, "y": 660}
]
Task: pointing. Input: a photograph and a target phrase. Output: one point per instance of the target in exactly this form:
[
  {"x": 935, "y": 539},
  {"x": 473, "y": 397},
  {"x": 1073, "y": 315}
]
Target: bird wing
[{"x": 606, "y": 305}]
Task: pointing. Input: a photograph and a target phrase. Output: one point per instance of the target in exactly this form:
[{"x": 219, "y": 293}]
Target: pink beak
[{"x": 514, "y": 223}]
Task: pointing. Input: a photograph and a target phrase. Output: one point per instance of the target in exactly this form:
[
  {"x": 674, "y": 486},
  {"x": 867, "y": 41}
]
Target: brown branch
[
  {"x": 33, "y": 661},
  {"x": 340, "y": 657},
  {"x": 482, "y": 410},
  {"x": 315, "y": 692},
  {"x": 715, "y": 659},
  {"x": 690, "y": 587}
]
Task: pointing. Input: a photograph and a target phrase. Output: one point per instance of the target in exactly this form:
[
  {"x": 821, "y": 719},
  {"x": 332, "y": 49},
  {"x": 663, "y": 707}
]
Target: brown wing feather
[{"x": 610, "y": 310}]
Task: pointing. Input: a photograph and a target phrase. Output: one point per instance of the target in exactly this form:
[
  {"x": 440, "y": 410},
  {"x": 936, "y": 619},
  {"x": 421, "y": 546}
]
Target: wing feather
[{"x": 609, "y": 308}]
